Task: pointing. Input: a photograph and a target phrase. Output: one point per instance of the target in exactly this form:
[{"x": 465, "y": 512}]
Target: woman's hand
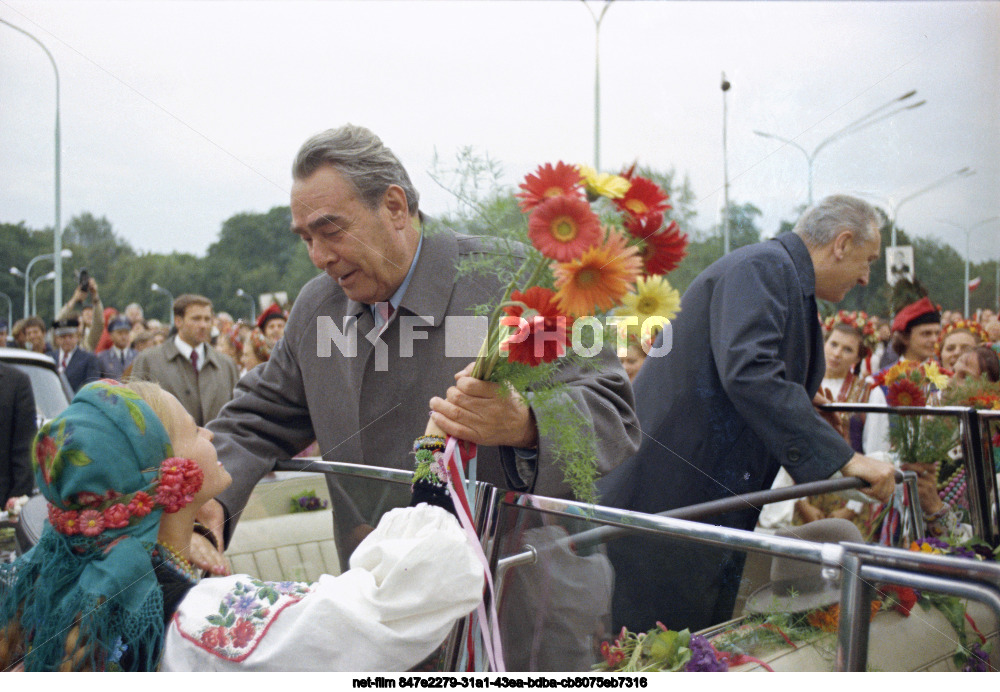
[
  {"x": 206, "y": 557},
  {"x": 930, "y": 501}
]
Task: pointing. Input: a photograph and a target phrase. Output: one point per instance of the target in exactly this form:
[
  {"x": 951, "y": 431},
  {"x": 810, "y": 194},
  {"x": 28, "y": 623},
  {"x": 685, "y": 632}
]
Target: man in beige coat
[{"x": 186, "y": 366}]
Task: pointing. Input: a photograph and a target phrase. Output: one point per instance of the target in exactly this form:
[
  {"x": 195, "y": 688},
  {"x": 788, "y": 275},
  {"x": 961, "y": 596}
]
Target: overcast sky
[{"x": 177, "y": 115}]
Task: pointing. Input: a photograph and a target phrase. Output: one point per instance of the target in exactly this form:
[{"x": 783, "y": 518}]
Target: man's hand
[
  {"x": 880, "y": 475},
  {"x": 203, "y": 553},
  {"x": 832, "y": 417},
  {"x": 92, "y": 289},
  {"x": 480, "y": 412}
]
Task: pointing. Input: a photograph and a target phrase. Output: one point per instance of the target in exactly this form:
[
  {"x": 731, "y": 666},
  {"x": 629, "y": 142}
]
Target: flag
[{"x": 974, "y": 284}]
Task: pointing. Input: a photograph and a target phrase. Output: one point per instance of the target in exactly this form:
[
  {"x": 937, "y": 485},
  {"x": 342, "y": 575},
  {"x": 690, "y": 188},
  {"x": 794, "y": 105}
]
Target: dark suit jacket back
[{"x": 17, "y": 429}]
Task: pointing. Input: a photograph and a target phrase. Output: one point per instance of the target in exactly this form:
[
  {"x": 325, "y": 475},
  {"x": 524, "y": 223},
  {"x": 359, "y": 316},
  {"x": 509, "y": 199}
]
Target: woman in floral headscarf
[
  {"x": 110, "y": 585},
  {"x": 957, "y": 338}
]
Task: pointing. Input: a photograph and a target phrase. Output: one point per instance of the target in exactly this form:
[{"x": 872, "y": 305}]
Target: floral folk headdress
[
  {"x": 856, "y": 320},
  {"x": 106, "y": 466},
  {"x": 963, "y": 325}
]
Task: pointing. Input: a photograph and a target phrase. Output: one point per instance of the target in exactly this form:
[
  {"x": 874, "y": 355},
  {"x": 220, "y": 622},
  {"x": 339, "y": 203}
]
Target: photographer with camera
[{"x": 91, "y": 325}]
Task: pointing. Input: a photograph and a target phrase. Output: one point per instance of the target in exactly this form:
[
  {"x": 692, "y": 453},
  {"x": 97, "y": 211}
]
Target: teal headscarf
[{"x": 97, "y": 464}]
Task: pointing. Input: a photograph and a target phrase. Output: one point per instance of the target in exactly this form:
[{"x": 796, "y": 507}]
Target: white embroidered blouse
[{"x": 409, "y": 581}]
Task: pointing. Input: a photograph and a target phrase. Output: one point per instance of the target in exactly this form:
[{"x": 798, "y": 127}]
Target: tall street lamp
[
  {"x": 34, "y": 290},
  {"x": 968, "y": 233},
  {"x": 160, "y": 289},
  {"x": 63, "y": 254},
  {"x": 240, "y": 293},
  {"x": 861, "y": 123},
  {"x": 725, "y": 171},
  {"x": 597, "y": 79},
  {"x": 57, "y": 235}
]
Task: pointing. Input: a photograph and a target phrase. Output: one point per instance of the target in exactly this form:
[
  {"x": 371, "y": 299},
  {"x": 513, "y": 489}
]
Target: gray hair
[
  {"x": 821, "y": 223},
  {"x": 361, "y": 157}
]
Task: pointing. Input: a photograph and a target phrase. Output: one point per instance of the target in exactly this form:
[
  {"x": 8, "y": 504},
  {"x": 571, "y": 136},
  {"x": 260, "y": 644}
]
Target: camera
[{"x": 84, "y": 280}]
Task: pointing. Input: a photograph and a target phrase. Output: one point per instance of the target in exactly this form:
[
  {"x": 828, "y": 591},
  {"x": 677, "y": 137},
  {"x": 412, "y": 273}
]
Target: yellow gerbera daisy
[
  {"x": 934, "y": 374},
  {"x": 604, "y": 184},
  {"x": 599, "y": 278},
  {"x": 653, "y": 297}
]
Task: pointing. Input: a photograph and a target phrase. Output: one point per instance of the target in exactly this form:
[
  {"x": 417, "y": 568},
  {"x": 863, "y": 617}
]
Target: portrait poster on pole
[{"x": 899, "y": 264}]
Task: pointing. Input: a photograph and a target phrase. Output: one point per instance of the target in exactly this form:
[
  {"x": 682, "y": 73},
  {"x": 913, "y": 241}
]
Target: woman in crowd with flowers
[
  {"x": 957, "y": 338},
  {"x": 110, "y": 585}
]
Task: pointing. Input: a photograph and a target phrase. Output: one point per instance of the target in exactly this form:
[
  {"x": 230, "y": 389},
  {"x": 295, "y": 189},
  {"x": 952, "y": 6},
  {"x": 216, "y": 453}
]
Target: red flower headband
[
  {"x": 970, "y": 326},
  {"x": 91, "y": 514},
  {"x": 856, "y": 320}
]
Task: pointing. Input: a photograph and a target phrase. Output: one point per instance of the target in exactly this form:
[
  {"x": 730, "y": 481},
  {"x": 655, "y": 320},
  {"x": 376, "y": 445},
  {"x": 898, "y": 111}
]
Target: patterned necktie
[
  {"x": 65, "y": 358},
  {"x": 194, "y": 361}
]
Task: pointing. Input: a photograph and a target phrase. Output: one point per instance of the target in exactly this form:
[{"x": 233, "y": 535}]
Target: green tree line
[{"x": 255, "y": 252}]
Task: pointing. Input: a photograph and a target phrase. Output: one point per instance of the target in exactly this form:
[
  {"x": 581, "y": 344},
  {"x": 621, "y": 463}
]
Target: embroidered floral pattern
[{"x": 244, "y": 615}]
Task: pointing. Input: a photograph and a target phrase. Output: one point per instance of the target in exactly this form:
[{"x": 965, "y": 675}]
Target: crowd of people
[{"x": 153, "y": 477}]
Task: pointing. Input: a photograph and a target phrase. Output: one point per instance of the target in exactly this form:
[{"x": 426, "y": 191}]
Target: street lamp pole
[
  {"x": 34, "y": 290},
  {"x": 64, "y": 254},
  {"x": 968, "y": 233},
  {"x": 861, "y": 123},
  {"x": 160, "y": 289},
  {"x": 240, "y": 293},
  {"x": 597, "y": 79},
  {"x": 725, "y": 170},
  {"x": 57, "y": 234}
]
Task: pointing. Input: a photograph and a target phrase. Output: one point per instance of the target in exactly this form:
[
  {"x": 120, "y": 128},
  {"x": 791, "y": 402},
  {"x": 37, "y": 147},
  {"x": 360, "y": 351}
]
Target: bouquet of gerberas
[
  {"x": 917, "y": 439},
  {"x": 590, "y": 246}
]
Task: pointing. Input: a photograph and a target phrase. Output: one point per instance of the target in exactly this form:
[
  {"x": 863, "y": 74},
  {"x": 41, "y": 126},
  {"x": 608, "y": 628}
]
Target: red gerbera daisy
[
  {"x": 663, "y": 250},
  {"x": 563, "y": 227},
  {"x": 643, "y": 197},
  {"x": 542, "y": 334},
  {"x": 549, "y": 181},
  {"x": 903, "y": 392}
]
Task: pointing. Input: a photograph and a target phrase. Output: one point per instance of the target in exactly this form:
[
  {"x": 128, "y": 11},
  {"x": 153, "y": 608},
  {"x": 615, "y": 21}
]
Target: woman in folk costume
[
  {"x": 957, "y": 338},
  {"x": 109, "y": 586}
]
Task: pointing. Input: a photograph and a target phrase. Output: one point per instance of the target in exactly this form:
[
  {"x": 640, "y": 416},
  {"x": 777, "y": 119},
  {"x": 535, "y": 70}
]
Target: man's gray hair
[
  {"x": 821, "y": 223},
  {"x": 362, "y": 158}
]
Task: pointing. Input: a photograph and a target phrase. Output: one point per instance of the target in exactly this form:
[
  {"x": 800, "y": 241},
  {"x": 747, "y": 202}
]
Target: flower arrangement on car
[{"x": 757, "y": 637}]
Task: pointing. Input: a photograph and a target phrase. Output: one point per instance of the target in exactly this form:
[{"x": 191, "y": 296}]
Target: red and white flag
[{"x": 974, "y": 284}]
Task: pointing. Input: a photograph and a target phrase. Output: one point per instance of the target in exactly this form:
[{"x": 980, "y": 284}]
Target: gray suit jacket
[
  {"x": 363, "y": 414},
  {"x": 204, "y": 395}
]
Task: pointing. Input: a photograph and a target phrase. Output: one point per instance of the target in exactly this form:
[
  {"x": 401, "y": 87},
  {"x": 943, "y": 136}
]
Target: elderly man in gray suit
[
  {"x": 733, "y": 400},
  {"x": 200, "y": 377},
  {"x": 365, "y": 353}
]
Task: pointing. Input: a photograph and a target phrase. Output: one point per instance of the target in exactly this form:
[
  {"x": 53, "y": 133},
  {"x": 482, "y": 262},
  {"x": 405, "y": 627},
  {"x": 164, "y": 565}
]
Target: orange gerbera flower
[
  {"x": 599, "y": 279},
  {"x": 643, "y": 197},
  {"x": 905, "y": 393},
  {"x": 549, "y": 181},
  {"x": 663, "y": 250},
  {"x": 563, "y": 227}
]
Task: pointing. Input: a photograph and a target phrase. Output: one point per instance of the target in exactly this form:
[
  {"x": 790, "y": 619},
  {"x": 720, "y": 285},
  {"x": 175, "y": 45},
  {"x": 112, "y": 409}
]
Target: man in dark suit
[
  {"x": 115, "y": 360},
  {"x": 79, "y": 366},
  {"x": 17, "y": 429},
  {"x": 731, "y": 402}
]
